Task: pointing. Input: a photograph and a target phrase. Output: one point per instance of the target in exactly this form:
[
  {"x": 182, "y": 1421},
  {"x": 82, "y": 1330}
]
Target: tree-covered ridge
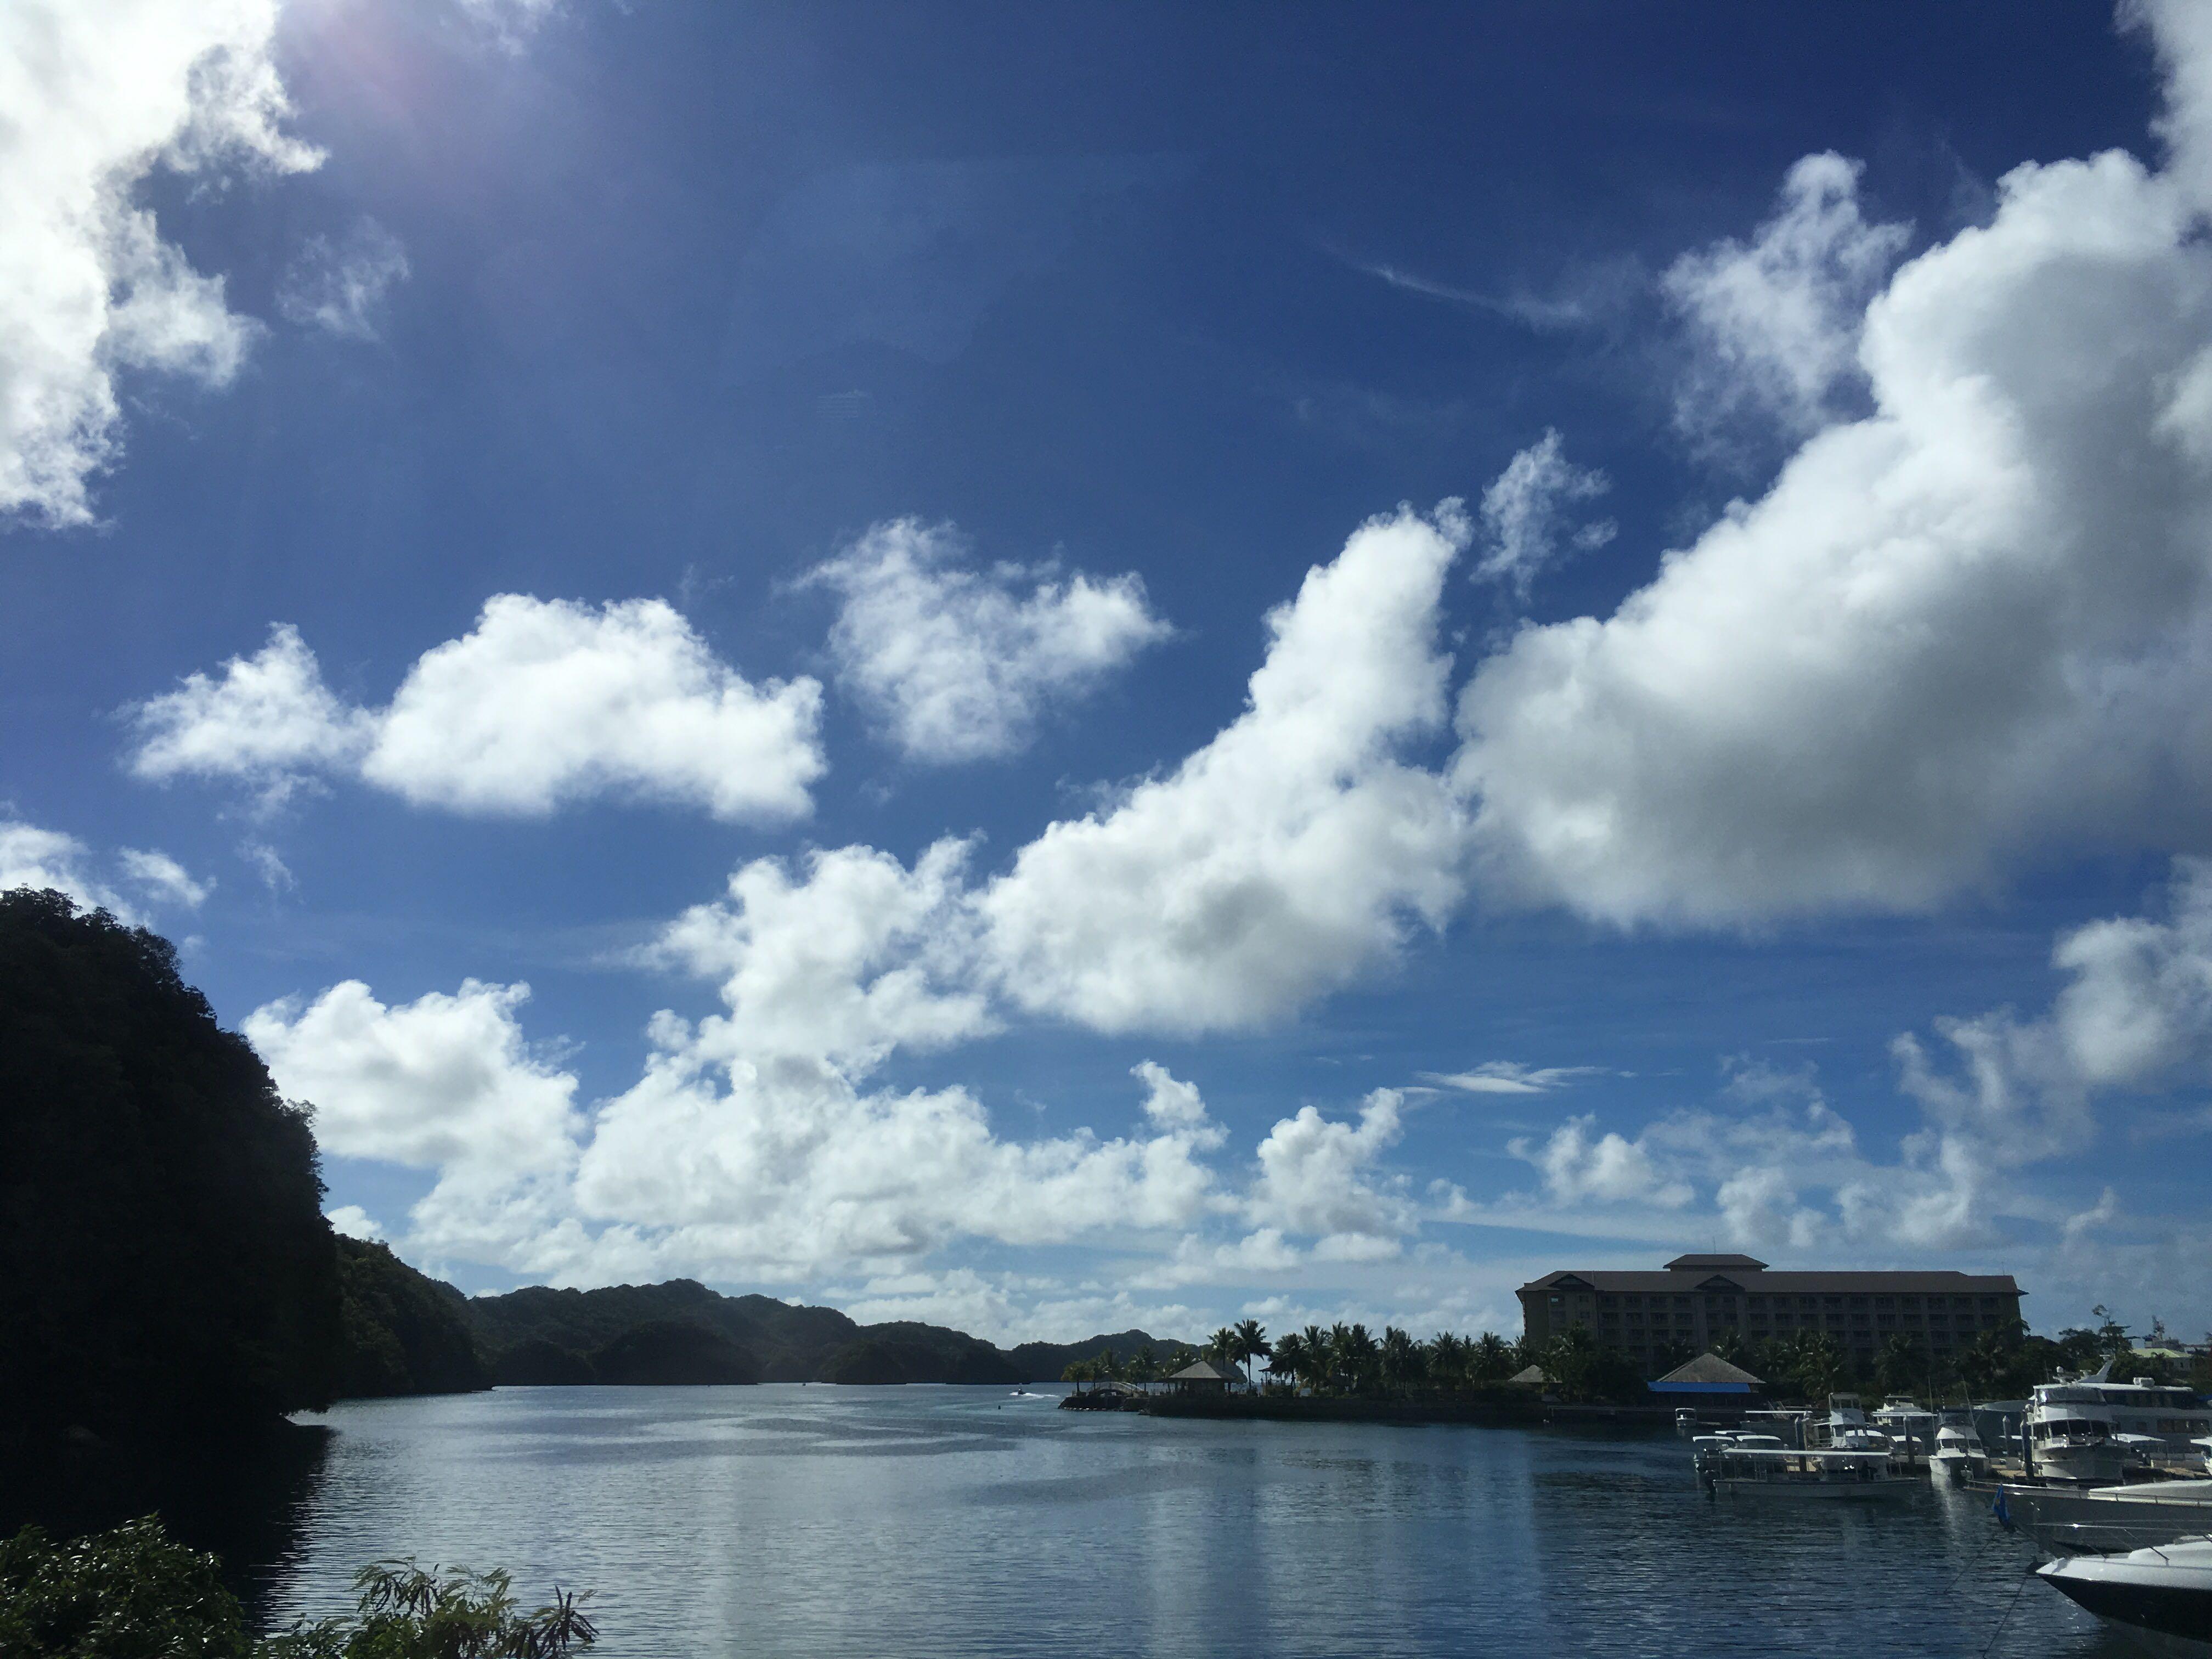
[
  {"x": 164, "y": 1259},
  {"x": 406, "y": 1332},
  {"x": 544, "y": 1336}
]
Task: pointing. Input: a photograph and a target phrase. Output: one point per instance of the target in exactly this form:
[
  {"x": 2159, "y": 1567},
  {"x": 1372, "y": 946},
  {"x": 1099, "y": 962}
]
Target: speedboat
[
  {"x": 2161, "y": 1596},
  {"x": 1958, "y": 1455}
]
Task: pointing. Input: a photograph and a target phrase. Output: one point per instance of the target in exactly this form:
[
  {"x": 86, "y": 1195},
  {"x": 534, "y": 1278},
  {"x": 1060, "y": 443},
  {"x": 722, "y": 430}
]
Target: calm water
[{"x": 781, "y": 1522}]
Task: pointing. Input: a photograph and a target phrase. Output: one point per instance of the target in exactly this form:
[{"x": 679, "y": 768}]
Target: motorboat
[
  {"x": 2092, "y": 1427},
  {"x": 1785, "y": 1425},
  {"x": 1705, "y": 1450},
  {"x": 1958, "y": 1455},
  {"x": 1833, "y": 1476},
  {"x": 1846, "y": 1427},
  {"x": 1911, "y": 1430},
  {"x": 2204, "y": 1446},
  {"x": 2070, "y": 1437},
  {"x": 2161, "y": 1596},
  {"x": 2109, "y": 1520}
]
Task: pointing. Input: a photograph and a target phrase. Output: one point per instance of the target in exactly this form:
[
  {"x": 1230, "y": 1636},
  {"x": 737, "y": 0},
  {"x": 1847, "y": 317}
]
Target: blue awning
[{"x": 1698, "y": 1388}]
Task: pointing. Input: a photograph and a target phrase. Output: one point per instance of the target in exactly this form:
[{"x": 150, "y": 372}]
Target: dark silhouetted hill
[
  {"x": 406, "y": 1332},
  {"x": 540, "y": 1335},
  {"x": 164, "y": 1267}
]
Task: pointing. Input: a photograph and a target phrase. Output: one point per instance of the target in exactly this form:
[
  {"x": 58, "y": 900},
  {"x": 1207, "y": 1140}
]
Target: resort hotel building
[{"x": 1696, "y": 1300}]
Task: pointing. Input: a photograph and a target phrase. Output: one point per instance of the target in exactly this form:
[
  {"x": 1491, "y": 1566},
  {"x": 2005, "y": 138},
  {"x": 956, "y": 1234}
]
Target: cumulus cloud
[
  {"x": 44, "y": 858},
  {"x": 1972, "y": 626},
  {"x": 1525, "y": 512},
  {"x": 443, "y": 1080},
  {"x": 958, "y": 664},
  {"x": 1291, "y": 853},
  {"x": 354, "y": 1222},
  {"x": 1578, "y": 1162},
  {"x": 1775, "y": 321},
  {"x": 268, "y": 721},
  {"x": 543, "y": 703},
  {"x": 90, "y": 291},
  {"x": 1318, "y": 1176},
  {"x": 858, "y": 956},
  {"x": 339, "y": 286}
]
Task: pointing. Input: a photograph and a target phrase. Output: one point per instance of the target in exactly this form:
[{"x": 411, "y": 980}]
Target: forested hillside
[{"x": 164, "y": 1261}]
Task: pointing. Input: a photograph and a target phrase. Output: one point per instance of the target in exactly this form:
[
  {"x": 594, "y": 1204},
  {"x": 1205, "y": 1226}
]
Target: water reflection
[{"x": 819, "y": 1522}]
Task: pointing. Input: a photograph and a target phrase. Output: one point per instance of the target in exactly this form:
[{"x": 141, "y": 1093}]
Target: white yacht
[
  {"x": 1761, "y": 1472},
  {"x": 1958, "y": 1455},
  {"x": 1911, "y": 1430},
  {"x": 2161, "y": 1596},
  {"x": 2093, "y": 1429},
  {"x": 1846, "y": 1427}
]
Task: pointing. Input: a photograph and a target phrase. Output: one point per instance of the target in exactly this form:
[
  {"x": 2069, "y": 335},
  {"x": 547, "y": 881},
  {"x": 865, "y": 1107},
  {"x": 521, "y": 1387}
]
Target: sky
[{"x": 1056, "y": 668}]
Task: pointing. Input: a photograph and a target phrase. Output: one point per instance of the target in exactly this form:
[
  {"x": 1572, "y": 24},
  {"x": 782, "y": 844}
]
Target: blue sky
[{"x": 857, "y": 553}]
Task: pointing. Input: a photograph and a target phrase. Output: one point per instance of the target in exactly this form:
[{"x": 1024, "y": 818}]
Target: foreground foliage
[{"x": 134, "y": 1593}]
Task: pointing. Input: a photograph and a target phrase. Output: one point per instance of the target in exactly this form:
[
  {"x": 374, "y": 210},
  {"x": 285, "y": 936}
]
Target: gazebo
[
  {"x": 1198, "y": 1377},
  {"x": 1709, "y": 1374}
]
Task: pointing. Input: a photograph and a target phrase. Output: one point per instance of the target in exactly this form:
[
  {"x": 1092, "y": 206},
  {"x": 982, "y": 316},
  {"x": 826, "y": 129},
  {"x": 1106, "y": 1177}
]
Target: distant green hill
[
  {"x": 406, "y": 1332},
  {"x": 547, "y": 1336}
]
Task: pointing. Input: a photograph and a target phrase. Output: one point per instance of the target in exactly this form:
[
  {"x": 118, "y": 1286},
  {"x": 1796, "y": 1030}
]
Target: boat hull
[{"x": 2169, "y": 1610}]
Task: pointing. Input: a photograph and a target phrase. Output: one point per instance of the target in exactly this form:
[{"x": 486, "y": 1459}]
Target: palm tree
[
  {"x": 1355, "y": 1352},
  {"x": 1221, "y": 1348},
  {"x": 1315, "y": 1340},
  {"x": 1902, "y": 1363},
  {"x": 1251, "y": 1345},
  {"x": 1491, "y": 1358},
  {"x": 1288, "y": 1357},
  {"x": 1403, "y": 1361},
  {"x": 1447, "y": 1359}
]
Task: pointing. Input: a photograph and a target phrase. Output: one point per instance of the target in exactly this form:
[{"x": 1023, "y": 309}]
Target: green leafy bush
[{"x": 134, "y": 1593}]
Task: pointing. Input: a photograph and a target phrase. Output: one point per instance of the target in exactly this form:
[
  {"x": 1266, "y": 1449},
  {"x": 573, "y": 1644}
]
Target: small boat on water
[
  {"x": 1846, "y": 1427},
  {"x": 1778, "y": 1472},
  {"x": 2161, "y": 1597},
  {"x": 1911, "y": 1430},
  {"x": 1958, "y": 1455}
]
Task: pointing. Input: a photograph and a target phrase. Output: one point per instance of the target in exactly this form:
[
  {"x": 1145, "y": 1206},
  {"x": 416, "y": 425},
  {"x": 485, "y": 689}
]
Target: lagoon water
[{"x": 790, "y": 1522}]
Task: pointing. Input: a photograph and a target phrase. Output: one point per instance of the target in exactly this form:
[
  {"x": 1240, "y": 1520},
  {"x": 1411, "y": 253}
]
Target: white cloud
[
  {"x": 1173, "y": 1105},
  {"x": 1578, "y": 1162},
  {"x": 268, "y": 721},
  {"x": 162, "y": 878},
  {"x": 354, "y": 1222},
  {"x": 43, "y": 858},
  {"x": 1972, "y": 627},
  {"x": 861, "y": 957},
  {"x": 958, "y": 664},
  {"x": 444, "y": 1080},
  {"x": 99, "y": 93},
  {"x": 1505, "y": 1077},
  {"x": 47, "y": 859},
  {"x": 1524, "y": 513},
  {"x": 1776, "y": 322},
  {"x": 2136, "y": 1013},
  {"x": 1284, "y": 857},
  {"x": 545, "y": 702},
  {"x": 1317, "y": 1176},
  {"x": 339, "y": 287}
]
